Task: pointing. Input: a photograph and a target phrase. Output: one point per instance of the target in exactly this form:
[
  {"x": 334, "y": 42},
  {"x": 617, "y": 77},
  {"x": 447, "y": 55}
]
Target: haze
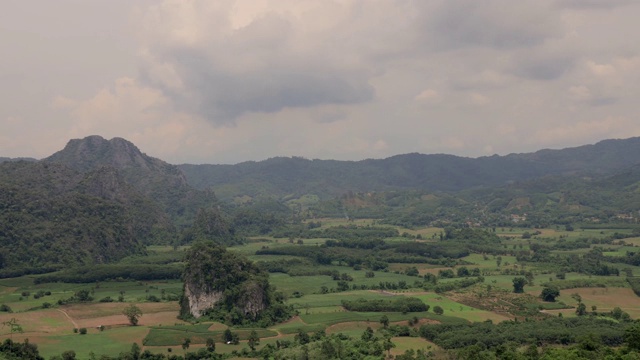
[{"x": 230, "y": 81}]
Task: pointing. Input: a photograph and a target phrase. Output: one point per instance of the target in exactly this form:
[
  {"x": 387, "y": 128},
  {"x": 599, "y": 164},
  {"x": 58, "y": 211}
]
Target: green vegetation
[
  {"x": 133, "y": 314},
  {"x": 99, "y": 234},
  {"x": 239, "y": 290}
]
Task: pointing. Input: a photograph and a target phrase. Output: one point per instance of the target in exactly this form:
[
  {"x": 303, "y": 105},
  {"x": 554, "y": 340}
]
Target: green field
[{"x": 160, "y": 330}]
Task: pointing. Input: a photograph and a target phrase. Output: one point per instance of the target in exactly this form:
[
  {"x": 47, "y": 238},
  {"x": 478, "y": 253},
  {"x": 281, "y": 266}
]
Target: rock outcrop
[{"x": 223, "y": 283}]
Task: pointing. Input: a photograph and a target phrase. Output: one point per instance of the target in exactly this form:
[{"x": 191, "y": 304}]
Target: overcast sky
[{"x": 229, "y": 81}]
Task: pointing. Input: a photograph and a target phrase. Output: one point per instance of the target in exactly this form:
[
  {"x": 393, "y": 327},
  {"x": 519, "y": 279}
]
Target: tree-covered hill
[
  {"x": 544, "y": 201},
  {"x": 162, "y": 182},
  {"x": 286, "y": 178},
  {"x": 52, "y": 216}
]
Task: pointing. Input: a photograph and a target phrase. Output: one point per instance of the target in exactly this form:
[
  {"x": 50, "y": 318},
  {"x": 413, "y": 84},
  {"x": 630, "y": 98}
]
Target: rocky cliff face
[{"x": 200, "y": 301}]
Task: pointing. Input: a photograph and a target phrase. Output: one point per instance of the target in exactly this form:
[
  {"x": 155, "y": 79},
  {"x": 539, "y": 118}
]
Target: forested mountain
[
  {"x": 53, "y": 216},
  {"x": 287, "y": 178},
  {"x": 95, "y": 201},
  {"x": 539, "y": 202},
  {"x": 154, "y": 178}
]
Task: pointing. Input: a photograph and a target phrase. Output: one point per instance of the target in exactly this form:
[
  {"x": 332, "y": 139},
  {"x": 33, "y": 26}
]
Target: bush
[
  {"x": 403, "y": 304},
  {"x": 550, "y": 293},
  {"x": 438, "y": 310},
  {"x": 5, "y": 308},
  {"x": 83, "y": 331}
]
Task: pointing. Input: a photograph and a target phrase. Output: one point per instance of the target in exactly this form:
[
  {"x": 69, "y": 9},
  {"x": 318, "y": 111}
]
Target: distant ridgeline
[{"x": 293, "y": 178}]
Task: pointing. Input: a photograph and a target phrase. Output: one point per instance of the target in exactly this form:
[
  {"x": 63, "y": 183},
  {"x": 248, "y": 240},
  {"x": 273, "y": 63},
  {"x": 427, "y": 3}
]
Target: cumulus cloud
[{"x": 223, "y": 61}]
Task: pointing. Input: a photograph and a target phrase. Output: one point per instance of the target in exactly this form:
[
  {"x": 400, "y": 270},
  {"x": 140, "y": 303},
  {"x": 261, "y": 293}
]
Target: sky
[{"x": 221, "y": 82}]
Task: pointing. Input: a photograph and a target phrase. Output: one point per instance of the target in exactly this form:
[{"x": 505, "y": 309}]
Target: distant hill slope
[
  {"x": 293, "y": 177},
  {"x": 4, "y": 159},
  {"x": 162, "y": 182}
]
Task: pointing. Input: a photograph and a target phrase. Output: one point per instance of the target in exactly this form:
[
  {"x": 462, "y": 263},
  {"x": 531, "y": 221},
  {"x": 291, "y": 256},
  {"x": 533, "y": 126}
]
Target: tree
[
  {"x": 231, "y": 337},
  {"x": 185, "y": 343},
  {"x": 581, "y": 309},
  {"x": 132, "y": 313},
  {"x": 518, "y": 284},
  {"x": 14, "y": 326},
  {"x": 69, "y": 355},
  {"x": 632, "y": 337},
  {"x": 388, "y": 345},
  {"x": 211, "y": 345},
  {"x": 254, "y": 340},
  {"x": 135, "y": 351},
  {"x": 577, "y": 297},
  {"x": 438, "y": 310},
  {"x": 616, "y": 313},
  {"x": 367, "y": 335},
  {"x": 384, "y": 320},
  {"x": 550, "y": 293},
  {"x": 227, "y": 336},
  {"x": 302, "y": 337}
]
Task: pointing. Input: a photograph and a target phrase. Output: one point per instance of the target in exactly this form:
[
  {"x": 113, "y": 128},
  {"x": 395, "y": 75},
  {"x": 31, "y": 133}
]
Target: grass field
[
  {"x": 605, "y": 299},
  {"x": 412, "y": 343}
]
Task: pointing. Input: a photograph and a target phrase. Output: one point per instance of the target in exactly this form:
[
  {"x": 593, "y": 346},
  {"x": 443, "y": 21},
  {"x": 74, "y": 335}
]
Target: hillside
[
  {"x": 157, "y": 180},
  {"x": 56, "y": 216},
  {"x": 96, "y": 201},
  {"x": 288, "y": 178},
  {"x": 539, "y": 202}
]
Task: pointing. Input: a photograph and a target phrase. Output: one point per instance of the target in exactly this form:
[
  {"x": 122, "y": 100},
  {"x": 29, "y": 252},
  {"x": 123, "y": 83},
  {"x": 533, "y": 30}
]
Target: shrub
[
  {"x": 83, "y": 331},
  {"x": 550, "y": 293}
]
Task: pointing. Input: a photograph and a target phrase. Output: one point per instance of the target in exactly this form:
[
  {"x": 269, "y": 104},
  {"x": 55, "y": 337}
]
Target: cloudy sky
[{"x": 229, "y": 81}]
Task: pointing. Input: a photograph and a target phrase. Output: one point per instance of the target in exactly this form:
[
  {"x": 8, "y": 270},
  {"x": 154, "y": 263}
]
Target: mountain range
[
  {"x": 98, "y": 200},
  {"x": 290, "y": 178}
]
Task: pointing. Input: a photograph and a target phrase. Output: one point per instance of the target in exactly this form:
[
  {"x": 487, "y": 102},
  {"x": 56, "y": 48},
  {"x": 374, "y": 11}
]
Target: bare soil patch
[
  {"x": 110, "y": 314},
  {"x": 606, "y": 299},
  {"x": 43, "y": 321},
  {"x": 218, "y": 327}
]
